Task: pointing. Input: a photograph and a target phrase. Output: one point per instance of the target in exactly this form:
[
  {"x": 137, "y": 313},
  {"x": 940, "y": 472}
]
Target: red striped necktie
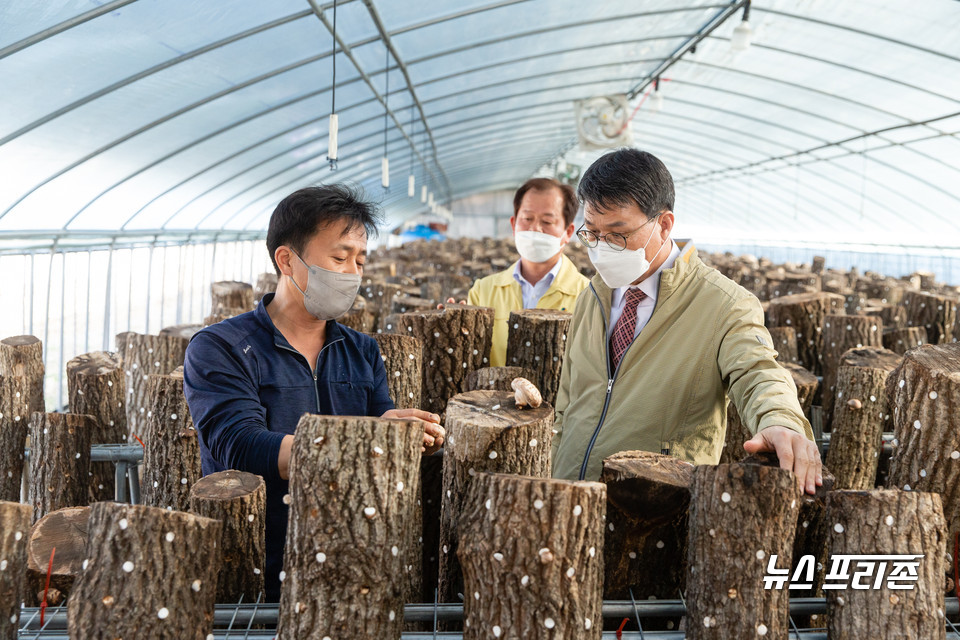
[{"x": 623, "y": 331}]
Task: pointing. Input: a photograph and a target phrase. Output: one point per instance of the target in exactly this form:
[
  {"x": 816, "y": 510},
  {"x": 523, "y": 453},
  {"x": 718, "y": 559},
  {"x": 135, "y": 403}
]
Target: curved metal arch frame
[
  {"x": 245, "y": 150},
  {"x": 60, "y": 27},
  {"x": 302, "y": 160},
  {"x": 308, "y": 159},
  {"x": 166, "y": 64},
  {"x": 372, "y": 163},
  {"x": 448, "y": 96},
  {"x": 344, "y": 48},
  {"x": 569, "y": 25},
  {"x": 308, "y": 174},
  {"x": 222, "y": 130},
  {"x": 839, "y": 26}
]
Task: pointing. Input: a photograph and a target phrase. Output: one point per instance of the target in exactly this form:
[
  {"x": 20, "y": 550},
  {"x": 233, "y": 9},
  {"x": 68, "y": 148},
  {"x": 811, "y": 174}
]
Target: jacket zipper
[
  {"x": 316, "y": 393},
  {"x": 610, "y": 381}
]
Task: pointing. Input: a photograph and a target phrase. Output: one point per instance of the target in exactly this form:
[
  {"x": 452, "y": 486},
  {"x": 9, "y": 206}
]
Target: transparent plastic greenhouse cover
[{"x": 839, "y": 121}]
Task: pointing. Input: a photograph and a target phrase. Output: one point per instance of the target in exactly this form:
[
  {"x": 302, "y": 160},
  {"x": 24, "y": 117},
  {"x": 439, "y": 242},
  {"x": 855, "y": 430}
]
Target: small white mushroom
[{"x": 526, "y": 393}]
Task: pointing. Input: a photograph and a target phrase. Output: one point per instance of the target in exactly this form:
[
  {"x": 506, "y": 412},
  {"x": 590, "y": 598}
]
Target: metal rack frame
[{"x": 237, "y": 621}]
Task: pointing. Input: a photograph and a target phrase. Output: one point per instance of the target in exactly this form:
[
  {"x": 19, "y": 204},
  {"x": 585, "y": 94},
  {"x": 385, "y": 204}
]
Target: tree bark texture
[
  {"x": 407, "y": 304},
  {"x": 14, "y": 527},
  {"x": 14, "y": 419},
  {"x": 495, "y": 378},
  {"x": 737, "y": 433},
  {"x": 353, "y": 520},
  {"x": 23, "y": 356},
  {"x": 645, "y": 538},
  {"x": 403, "y": 359},
  {"x": 150, "y": 573},
  {"x": 485, "y": 432},
  {"x": 231, "y": 295},
  {"x": 842, "y": 332},
  {"x": 65, "y": 531},
  {"x": 456, "y": 340},
  {"x": 894, "y": 316},
  {"x": 431, "y": 492},
  {"x": 185, "y": 331},
  {"x": 902, "y": 340},
  {"x": 359, "y": 318},
  {"x": 925, "y": 394},
  {"x": 785, "y": 343},
  {"x": 171, "y": 454},
  {"x": 739, "y": 515},
  {"x": 266, "y": 283},
  {"x": 805, "y": 313},
  {"x": 537, "y": 340},
  {"x": 59, "y": 461},
  {"x": 860, "y": 417},
  {"x": 884, "y": 522},
  {"x": 143, "y": 355},
  {"x": 379, "y": 297},
  {"x": 811, "y": 528},
  {"x": 935, "y": 313},
  {"x": 238, "y": 500},
  {"x": 532, "y": 555},
  {"x": 95, "y": 384}
]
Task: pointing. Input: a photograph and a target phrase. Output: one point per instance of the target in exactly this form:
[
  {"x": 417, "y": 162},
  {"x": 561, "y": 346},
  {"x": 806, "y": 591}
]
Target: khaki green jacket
[
  {"x": 705, "y": 339},
  {"x": 502, "y": 292}
]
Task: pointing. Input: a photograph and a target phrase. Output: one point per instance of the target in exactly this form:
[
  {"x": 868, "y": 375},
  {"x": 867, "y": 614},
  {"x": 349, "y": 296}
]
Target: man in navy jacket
[{"x": 250, "y": 378}]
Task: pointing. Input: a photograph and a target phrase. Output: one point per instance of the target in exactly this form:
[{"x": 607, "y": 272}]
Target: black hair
[
  {"x": 628, "y": 176},
  {"x": 306, "y": 211},
  {"x": 570, "y": 204}
]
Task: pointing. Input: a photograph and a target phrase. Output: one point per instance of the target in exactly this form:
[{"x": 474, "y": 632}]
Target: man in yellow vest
[{"x": 543, "y": 278}]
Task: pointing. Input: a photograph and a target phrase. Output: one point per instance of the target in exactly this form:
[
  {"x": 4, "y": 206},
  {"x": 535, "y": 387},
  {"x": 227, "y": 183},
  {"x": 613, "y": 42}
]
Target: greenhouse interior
[{"x": 651, "y": 306}]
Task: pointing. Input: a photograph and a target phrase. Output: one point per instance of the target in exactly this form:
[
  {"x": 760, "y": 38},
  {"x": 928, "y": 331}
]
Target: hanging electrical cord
[
  {"x": 332, "y": 140},
  {"x": 385, "y": 162},
  {"x": 411, "y": 180}
]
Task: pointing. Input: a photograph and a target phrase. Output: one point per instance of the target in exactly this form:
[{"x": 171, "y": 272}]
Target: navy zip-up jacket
[{"x": 247, "y": 388}]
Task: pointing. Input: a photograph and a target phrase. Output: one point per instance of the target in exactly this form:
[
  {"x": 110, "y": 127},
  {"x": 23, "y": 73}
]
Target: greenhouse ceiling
[{"x": 838, "y": 122}]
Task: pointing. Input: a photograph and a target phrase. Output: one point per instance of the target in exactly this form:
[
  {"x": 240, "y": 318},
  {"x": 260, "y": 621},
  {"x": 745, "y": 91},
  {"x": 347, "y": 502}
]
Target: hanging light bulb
[
  {"x": 334, "y": 121},
  {"x": 411, "y": 186},
  {"x": 385, "y": 161},
  {"x": 332, "y": 141},
  {"x": 656, "y": 98},
  {"x": 742, "y": 33},
  {"x": 423, "y": 193},
  {"x": 430, "y": 200},
  {"x": 741, "y": 37}
]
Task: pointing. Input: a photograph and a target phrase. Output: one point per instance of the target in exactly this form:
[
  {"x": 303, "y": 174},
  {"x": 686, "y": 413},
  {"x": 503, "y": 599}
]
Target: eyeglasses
[{"x": 616, "y": 241}]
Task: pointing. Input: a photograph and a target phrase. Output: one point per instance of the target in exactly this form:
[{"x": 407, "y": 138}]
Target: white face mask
[
  {"x": 535, "y": 246},
  {"x": 620, "y": 268},
  {"x": 329, "y": 294}
]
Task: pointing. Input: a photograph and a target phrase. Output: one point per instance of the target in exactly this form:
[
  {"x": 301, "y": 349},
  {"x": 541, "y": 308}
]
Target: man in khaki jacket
[
  {"x": 658, "y": 340},
  {"x": 543, "y": 278}
]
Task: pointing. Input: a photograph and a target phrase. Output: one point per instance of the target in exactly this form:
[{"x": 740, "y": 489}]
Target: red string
[
  {"x": 140, "y": 441},
  {"x": 46, "y": 589},
  {"x": 639, "y": 104},
  {"x": 620, "y": 628}
]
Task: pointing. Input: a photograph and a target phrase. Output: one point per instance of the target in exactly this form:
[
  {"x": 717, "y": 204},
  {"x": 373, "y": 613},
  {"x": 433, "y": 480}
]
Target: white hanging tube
[
  {"x": 385, "y": 172},
  {"x": 332, "y": 143},
  {"x": 411, "y": 186}
]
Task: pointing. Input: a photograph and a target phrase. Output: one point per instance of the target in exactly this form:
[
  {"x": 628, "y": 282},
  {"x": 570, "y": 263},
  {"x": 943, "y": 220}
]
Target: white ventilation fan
[{"x": 602, "y": 122}]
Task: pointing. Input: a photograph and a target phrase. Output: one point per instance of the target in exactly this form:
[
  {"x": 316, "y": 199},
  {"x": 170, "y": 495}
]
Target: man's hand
[
  {"x": 795, "y": 453},
  {"x": 433, "y": 433},
  {"x": 451, "y": 301}
]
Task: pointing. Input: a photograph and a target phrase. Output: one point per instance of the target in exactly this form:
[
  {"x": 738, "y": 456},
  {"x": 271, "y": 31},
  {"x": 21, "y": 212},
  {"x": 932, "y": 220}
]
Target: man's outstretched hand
[
  {"x": 795, "y": 453},
  {"x": 451, "y": 301},
  {"x": 433, "y": 433}
]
